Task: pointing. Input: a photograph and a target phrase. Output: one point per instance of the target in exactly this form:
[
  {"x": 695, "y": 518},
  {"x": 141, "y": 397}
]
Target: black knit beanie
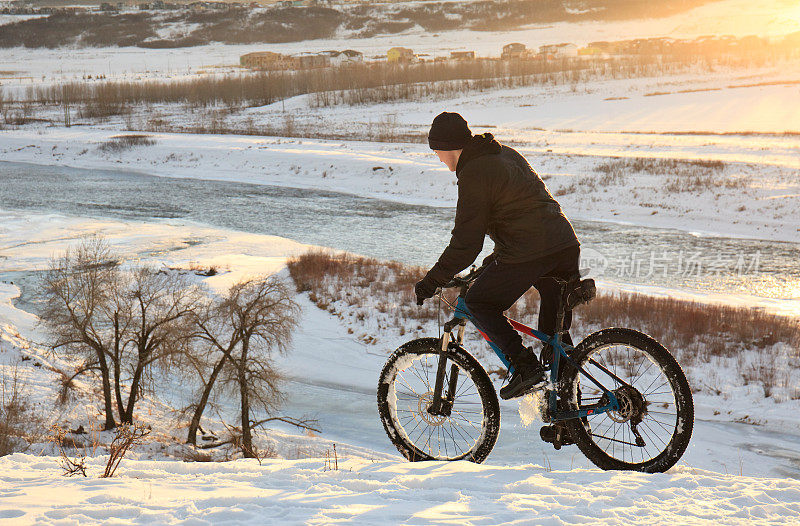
[{"x": 449, "y": 131}]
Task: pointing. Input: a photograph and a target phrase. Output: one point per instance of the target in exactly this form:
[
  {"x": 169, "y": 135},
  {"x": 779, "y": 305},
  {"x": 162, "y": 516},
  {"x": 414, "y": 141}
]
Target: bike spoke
[
  {"x": 437, "y": 436},
  {"x": 656, "y": 403}
]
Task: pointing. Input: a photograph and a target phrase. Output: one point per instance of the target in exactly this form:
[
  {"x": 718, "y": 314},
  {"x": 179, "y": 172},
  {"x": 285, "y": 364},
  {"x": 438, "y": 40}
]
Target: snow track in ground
[{"x": 300, "y": 492}]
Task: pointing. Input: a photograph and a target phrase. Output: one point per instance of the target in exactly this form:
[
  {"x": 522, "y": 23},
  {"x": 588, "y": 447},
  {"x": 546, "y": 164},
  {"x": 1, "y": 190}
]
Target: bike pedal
[
  {"x": 547, "y": 434},
  {"x": 556, "y": 435}
]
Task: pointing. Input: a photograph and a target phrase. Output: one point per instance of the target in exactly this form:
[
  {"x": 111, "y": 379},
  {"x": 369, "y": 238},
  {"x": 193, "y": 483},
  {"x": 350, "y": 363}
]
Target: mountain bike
[{"x": 618, "y": 395}]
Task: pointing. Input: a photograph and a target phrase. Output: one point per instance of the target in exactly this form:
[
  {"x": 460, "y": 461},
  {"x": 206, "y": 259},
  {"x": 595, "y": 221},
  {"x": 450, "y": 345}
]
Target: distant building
[
  {"x": 311, "y": 60},
  {"x": 591, "y": 51},
  {"x": 514, "y": 50},
  {"x": 555, "y": 51},
  {"x": 401, "y": 55},
  {"x": 264, "y": 60},
  {"x": 348, "y": 56},
  {"x": 353, "y": 55},
  {"x": 462, "y": 55},
  {"x": 267, "y": 60}
]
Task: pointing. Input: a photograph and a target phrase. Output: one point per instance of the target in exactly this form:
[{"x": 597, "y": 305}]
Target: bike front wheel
[
  {"x": 653, "y": 426},
  {"x": 405, "y": 393}
]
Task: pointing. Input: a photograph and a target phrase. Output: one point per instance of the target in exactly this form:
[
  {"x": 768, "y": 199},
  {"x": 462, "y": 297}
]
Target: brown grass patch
[
  {"x": 696, "y": 333},
  {"x": 363, "y": 284},
  {"x": 120, "y": 143}
]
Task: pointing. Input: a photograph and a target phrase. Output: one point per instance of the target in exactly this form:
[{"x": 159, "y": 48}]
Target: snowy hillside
[{"x": 721, "y": 479}]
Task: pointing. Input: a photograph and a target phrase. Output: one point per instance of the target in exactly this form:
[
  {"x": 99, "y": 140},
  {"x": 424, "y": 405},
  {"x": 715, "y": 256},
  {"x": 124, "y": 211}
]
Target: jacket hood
[{"x": 478, "y": 145}]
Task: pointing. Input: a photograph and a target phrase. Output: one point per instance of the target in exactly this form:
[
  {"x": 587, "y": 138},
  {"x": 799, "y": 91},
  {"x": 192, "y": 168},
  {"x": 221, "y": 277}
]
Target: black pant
[{"x": 500, "y": 285}]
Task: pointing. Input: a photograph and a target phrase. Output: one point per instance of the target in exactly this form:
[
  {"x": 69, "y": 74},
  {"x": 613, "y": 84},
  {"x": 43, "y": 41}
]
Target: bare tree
[
  {"x": 219, "y": 340},
  {"x": 78, "y": 289},
  {"x": 154, "y": 314},
  {"x": 118, "y": 322},
  {"x": 255, "y": 318}
]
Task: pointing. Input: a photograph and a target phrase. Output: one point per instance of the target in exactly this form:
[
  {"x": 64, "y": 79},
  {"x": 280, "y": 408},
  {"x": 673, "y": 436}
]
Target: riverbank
[{"x": 729, "y": 199}]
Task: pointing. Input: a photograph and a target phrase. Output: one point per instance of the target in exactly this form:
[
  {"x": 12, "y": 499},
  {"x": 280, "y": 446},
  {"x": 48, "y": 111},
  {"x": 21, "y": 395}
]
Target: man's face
[{"x": 449, "y": 158}]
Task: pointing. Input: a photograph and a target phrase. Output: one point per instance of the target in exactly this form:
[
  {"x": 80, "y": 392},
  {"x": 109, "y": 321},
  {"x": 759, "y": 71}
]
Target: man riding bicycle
[{"x": 499, "y": 194}]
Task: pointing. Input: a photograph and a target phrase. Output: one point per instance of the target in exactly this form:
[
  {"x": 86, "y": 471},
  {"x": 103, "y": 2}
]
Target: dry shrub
[
  {"x": 72, "y": 466},
  {"x": 693, "y": 331},
  {"x": 354, "y": 84},
  {"x": 722, "y": 330},
  {"x": 683, "y": 175},
  {"x": 119, "y": 143},
  {"x": 125, "y": 437},
  {"x": 568, "y": 189},
  {"x": 14, "y": 413},
  {"x": 762, "y": 370},
  {"x": 386, "y": 287},
  {"x": 680, "y": 167}
]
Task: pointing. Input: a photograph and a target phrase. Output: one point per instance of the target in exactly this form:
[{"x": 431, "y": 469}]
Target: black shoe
[{"x": 527, "y": 377}]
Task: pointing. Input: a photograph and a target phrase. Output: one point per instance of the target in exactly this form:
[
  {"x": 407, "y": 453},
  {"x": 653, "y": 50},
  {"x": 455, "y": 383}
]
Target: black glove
[{"x": 424, "y": 289}]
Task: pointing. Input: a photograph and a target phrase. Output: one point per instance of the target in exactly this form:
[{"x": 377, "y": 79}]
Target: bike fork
[{"x": 442, "y": 405}]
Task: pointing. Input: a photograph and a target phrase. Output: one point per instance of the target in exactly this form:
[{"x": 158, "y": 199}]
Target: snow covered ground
[
  {"x": 744, "y": 119},
  {"x": 387, "y": 492},
  {"x": 718, "y": 102},
  {"x": 731, "y": 473}
]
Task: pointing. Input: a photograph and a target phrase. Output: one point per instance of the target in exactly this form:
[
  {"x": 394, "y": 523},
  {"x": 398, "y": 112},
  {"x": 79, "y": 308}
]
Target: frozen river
[{"x": 619, "y": 253}]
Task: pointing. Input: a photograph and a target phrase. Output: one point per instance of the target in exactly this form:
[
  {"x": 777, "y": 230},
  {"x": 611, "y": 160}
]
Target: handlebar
[{"x": 460, "y": 281}]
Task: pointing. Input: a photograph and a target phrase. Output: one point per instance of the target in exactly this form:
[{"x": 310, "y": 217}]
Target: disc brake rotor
[{"x": 425, "y": 401}]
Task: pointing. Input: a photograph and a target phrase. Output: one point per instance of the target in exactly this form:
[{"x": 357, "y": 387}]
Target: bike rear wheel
[
  {"x": 651, "y": 430},
  {"x": 405, "y": 392}
]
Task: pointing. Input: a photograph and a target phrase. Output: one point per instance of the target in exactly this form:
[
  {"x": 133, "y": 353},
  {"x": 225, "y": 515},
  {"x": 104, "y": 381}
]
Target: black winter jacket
[{"x": 501, "y": 195}]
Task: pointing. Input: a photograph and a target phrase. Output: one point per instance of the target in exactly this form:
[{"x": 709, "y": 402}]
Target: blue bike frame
[{"x": 462, "y": 312}]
